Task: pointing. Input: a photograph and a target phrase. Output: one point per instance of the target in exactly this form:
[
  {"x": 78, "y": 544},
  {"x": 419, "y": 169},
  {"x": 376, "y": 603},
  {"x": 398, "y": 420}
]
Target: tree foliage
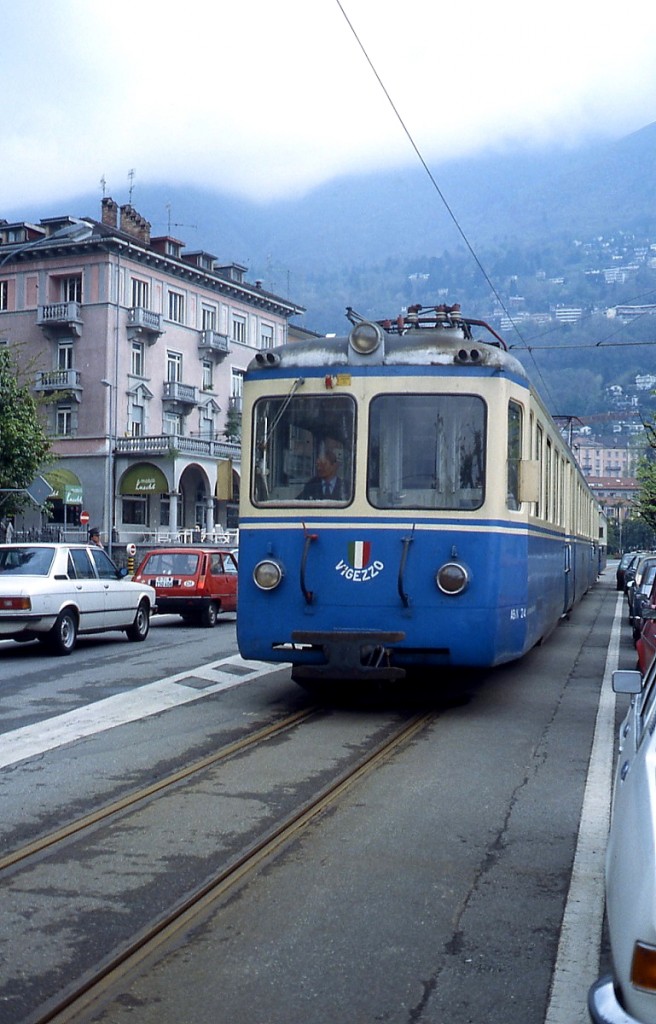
[
  {"x": 24, "y": 446},
  {"x": 645, "y": 503}
]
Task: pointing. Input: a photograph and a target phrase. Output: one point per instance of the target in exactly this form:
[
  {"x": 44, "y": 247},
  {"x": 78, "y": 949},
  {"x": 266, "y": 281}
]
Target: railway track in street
[
  {"x": 167, "y": 903},
  {"x": 144, "y": 793}
]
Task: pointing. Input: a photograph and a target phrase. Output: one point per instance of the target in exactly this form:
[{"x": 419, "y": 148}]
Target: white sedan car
[
  {"x": 54, "y": 592},
  {"x": 628, "y": 996}
]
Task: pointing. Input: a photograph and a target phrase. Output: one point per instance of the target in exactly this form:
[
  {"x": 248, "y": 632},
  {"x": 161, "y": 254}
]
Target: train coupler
[{"x": 349, "y": 655}]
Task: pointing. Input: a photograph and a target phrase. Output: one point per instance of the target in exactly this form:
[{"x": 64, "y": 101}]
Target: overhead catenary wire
[
  {"x": 439, "y": 191},
  {"x": 529, "y": 349}
]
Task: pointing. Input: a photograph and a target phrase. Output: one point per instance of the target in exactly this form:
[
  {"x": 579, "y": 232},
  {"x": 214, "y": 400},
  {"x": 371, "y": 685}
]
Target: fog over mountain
[{"x": 308, "y": 249}]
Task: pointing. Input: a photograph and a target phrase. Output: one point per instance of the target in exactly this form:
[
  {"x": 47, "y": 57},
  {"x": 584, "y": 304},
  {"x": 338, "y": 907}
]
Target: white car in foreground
[
  {"x": 54, "y": 592},
  {"x": 628, "y": 996}
]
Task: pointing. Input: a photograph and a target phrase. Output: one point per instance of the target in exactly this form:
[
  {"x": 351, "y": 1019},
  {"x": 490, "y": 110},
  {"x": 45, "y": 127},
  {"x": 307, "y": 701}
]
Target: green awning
[
  {"x": 144, "y": 479},
  {"x": 66, "y": 486}
]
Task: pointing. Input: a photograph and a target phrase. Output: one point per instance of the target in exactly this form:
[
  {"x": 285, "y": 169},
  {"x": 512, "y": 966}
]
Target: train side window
[
  {"x": 515, "y": 427},
  {"x": 539, "y": 437},
  {"x": 426, "y": 451}
]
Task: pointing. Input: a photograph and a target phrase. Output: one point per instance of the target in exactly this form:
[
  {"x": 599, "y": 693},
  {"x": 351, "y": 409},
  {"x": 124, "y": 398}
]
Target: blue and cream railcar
[{"x": 458, "y": 530}]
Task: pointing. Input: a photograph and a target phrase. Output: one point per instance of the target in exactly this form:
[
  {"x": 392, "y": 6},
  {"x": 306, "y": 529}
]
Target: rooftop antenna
[
  {"x": 176, "y": 224},
  {"x": 103, "y": 185},
  {"x": 131, "y": 174}
]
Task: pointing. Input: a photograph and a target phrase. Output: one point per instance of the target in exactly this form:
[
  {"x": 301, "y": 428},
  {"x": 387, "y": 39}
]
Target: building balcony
[
  {"x": 144, "y": 324},
  {"x": 59, "y": 317},
  {"x": 49, "y": 381},
  {"x": 214, "y": 344},
  {"x": 177, "y": 444},
  {"x": 180, "y": 395}
]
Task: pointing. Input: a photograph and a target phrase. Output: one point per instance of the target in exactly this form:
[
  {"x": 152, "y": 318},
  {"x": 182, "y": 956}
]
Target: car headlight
[
  {"x": 452, "y": 578},
  {"x": 267, "y": 575}
]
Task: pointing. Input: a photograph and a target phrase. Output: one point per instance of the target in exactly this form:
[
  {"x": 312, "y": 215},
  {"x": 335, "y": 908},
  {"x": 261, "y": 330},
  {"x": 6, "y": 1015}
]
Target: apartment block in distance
[{"x": 138, "y": 350}]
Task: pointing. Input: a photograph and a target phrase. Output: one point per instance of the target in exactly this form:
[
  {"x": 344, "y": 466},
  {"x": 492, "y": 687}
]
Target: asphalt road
[{"x": 434, "y": 892}]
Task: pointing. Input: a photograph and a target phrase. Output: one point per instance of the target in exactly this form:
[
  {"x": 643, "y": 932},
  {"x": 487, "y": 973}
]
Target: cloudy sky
[{"x": 268, "y": 98}]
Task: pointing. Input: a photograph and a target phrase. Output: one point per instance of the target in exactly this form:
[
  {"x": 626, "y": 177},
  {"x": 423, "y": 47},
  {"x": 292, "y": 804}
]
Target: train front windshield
[
  {"x": 304, "y": 449},
  {"x": 424, "y": 451}
]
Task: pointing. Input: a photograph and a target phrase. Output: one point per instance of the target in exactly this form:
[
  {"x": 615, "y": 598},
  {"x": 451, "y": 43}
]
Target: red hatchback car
[{"x": 194, "y": 582}]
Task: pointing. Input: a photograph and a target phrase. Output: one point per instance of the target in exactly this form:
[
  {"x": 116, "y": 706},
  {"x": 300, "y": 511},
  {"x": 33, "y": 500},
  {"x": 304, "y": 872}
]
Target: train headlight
[
  {"x": 365, "y": 338},
  {"x": 452, "y": 578},
  {"x": 267, "y": 575}
]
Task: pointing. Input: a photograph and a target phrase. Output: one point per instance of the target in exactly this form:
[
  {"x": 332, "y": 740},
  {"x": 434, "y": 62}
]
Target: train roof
[{"x": 439, "y": 337}]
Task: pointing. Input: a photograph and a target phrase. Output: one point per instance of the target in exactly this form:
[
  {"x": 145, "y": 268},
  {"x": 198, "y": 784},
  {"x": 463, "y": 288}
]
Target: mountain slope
[{"x": 365, "y": 220}]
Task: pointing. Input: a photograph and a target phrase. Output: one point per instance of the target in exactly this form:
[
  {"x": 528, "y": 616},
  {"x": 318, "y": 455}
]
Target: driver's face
[{"x": 325, "y": 467}]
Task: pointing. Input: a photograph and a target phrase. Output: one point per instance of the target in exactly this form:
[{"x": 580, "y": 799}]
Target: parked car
[
  {"x": 640, "y": 594},
  {"x": 631, "y": 569},
  {"x": 55, "y": 592},
  {"x": 628, "y": 996},
  {"x": 646, "y": 642},
  {"x": 193, "y": 581},
  {"x": 622, "y": 567}
]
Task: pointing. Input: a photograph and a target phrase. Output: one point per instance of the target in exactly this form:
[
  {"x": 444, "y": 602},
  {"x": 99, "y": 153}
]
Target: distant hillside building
[
  {"x": 139, "y": 350},
  {"x": 628, "y": 313},
  {"x": 598, "y": 460},
  {"x": 568, "y": 314},
  {"x": 615, "y": 495}
]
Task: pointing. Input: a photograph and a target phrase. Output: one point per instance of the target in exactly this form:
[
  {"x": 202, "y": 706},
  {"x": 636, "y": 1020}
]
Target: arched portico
[{"x": 196, "y": 499}]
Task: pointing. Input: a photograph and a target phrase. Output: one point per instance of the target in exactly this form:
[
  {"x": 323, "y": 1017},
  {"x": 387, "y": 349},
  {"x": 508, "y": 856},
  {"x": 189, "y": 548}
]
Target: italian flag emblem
[{"x": 359, "y": 553}]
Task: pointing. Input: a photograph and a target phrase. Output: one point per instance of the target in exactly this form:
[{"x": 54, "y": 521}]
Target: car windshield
[
  {"x": 167, "y": 563},
  {"x": 26, "y": 561}
]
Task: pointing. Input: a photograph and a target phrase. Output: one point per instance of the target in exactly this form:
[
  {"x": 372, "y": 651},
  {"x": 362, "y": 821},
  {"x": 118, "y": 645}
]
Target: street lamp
[{"x": 108, "y": 509}]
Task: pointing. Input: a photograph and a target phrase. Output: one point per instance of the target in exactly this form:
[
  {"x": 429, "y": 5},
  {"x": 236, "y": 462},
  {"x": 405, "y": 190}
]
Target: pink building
[{"x": 139, "y": 351}]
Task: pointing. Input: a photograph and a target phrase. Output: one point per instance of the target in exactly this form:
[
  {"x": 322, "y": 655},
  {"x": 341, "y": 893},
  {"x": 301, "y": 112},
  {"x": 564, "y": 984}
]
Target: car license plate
[{"x": 164, "y": 581}]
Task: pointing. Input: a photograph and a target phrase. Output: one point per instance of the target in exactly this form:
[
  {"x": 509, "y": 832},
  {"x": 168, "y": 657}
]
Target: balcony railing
[
  {"x": 60, "y": 315},
  {"x": 171, "y": 444},
  {"x": 58, "y": 380},
  {"x": 214, "y": 343},
  {"x": 145, "y": 322},
  {"x": 182, "y": 394}
]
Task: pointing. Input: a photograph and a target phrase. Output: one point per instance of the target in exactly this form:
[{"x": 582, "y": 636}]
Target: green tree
[
  {"x": 637, "y": 535},
  {"x": 232, "y": 429},
  {"x": 24, "y": 446},
  {"x": 645, "y": 503}
]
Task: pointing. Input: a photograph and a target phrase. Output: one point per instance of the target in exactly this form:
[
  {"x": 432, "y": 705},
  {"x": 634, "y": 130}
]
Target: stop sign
[{"x": 84, "y": 518}]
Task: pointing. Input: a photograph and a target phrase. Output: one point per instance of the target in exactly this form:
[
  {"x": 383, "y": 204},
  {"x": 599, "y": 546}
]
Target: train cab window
[
  {"x": 304, "y": 450},
  {"x": 426, "y": 451}
]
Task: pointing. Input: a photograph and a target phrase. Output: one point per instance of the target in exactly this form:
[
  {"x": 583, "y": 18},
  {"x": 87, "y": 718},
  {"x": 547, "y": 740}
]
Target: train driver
[{"x": 326, "y": 484}]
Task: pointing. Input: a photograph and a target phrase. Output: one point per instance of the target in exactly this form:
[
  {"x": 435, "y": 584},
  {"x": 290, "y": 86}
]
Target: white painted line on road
[
  {"x": 577, "y": 963},
  {"x": 122, "y": 708}
]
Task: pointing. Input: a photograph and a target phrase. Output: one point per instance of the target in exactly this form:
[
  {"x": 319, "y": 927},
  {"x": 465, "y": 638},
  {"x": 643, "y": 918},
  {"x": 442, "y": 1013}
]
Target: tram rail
[{"x": 97, "y": 983}]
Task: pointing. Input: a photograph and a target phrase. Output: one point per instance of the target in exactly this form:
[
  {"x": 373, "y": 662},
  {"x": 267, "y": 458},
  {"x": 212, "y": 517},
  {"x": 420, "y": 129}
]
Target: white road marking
[
  {"x": 577, "y": 963},
  {"x": 122, "y": 708}
]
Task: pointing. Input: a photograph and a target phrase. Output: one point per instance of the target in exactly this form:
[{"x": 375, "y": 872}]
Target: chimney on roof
[
  {"x": 132, "y": 223},
  {"x": 109, "y": 212}
]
